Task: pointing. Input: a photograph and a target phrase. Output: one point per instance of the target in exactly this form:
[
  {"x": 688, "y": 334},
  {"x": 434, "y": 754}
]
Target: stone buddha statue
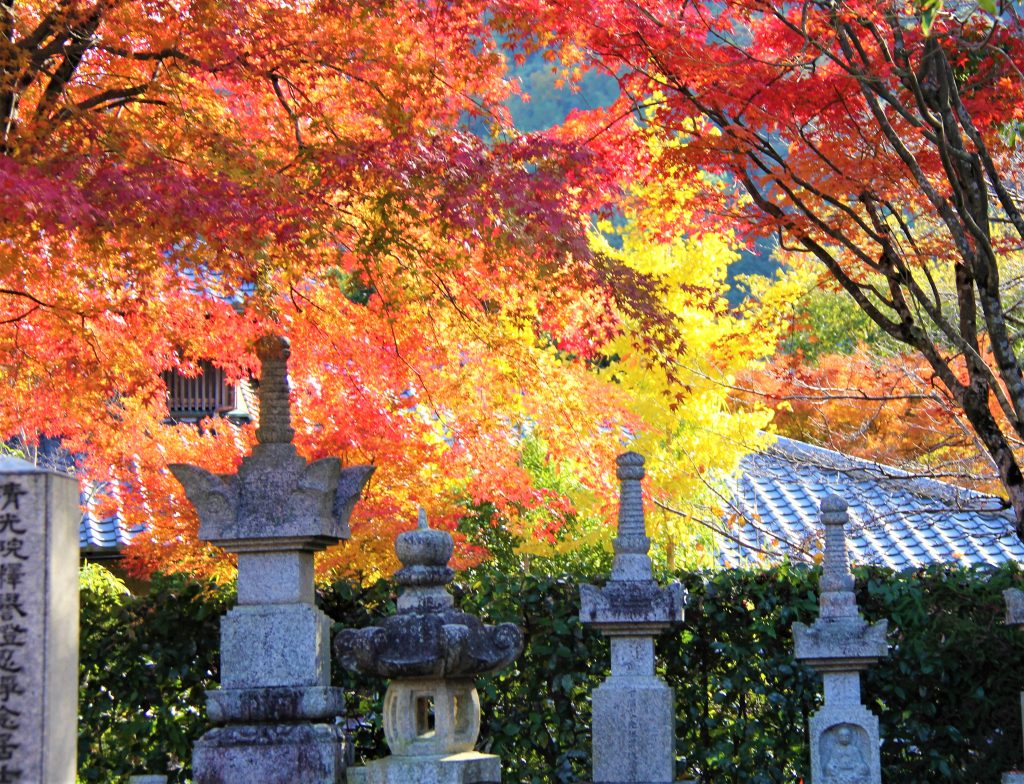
[{"x": 846, "y": 763}]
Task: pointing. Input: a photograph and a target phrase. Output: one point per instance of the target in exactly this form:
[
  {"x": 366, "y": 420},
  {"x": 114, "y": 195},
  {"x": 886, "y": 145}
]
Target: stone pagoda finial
[
  {"x": 632, "y": 544},
  {"x": 276, "y": 494},
  {"x": 275, "y": 408},
  {"x": 424, "y": 554},
  {"x": 836, "y": 599},
  {"x": 275, "y": 703},
  {"x": 836, "y": 575},
  {"x": 432, "y": 652},
  {"x": 633, "y": 710},
  {"x": 839, "y": 645}
]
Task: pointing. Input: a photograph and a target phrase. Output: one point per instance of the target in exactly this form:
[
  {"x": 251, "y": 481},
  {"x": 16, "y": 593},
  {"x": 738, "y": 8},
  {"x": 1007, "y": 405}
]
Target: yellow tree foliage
[{"x": 694, "y": 429}]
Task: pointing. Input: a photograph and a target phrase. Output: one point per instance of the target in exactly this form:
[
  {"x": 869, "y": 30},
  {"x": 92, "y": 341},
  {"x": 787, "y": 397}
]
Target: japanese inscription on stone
[
  {"x": 39, "y": 516},
  {"x": 16, "y": 654}
]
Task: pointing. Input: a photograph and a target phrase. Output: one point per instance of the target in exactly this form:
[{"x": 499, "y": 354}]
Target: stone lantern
[
  {"x": 432, "y": 653},
  {"x": 840, "y": 645}
]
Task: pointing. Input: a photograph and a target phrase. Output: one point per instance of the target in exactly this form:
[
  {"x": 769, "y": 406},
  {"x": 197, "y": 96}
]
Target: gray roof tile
[
  {"x": 897, "y": 519},
  {"x": 101, "y": 534}
]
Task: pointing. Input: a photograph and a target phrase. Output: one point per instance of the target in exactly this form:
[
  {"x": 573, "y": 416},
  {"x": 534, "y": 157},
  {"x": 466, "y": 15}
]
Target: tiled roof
[
  {"x": 896, "y": 519},
  {"x": 100, "y": 535}
]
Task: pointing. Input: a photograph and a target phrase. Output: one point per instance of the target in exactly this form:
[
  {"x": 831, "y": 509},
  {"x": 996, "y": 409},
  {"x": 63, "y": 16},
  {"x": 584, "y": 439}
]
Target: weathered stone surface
[
  {"x": 428, "y": 638},
  {"x": 413, "y": 645},
  {"x": 275, "y": 645},
  {"x": 829, "y": 646},
  {"x": 1014, "y": 598},
  {"x": 633, "y": 710},
  {"x": 465, "y": 768},
  {"x": 275, "y": 700},
  {"x": 276, "y": 578},
  {"x": 271, "y": 754},
  {"x": 39, "y": 516},
  {"x": 632, "y": 656},
  {"x": 642, "y": 602},
  {"x": 293, "y": 499},
  {"x": 844, "y": 746},
  {"x": 265, "y": 704},
  {"x": 431, "y": 717},
  {"x": 276, "y": 494},
  {"x": 432, "y": 652},
  {"x": 633, "y": 730},
  {"x": 631, "y": 560},
  {"x": 839, "y": 645}
]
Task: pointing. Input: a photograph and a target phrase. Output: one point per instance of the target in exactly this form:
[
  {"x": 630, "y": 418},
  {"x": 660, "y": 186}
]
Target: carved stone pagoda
[
  {"x": 840, "y": 645},
  {"x": 633, "y": 732},
  {"x": 275, "y": 707},
  {"x": 432, "y": 653}
]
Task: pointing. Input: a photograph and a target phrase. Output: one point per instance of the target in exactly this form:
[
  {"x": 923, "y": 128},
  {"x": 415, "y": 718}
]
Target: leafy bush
[
  {"x": 144, "y": 663},
  {"x": 947, "y": 697}
]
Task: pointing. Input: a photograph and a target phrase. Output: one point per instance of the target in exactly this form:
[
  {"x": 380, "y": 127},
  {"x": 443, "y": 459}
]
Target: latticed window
[{"x": 207, "y": 394}]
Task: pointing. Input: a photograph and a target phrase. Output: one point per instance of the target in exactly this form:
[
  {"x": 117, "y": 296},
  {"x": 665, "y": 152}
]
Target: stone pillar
[
  {"x": 432, "y": 653},
  {"x": 1015, "y": 617},
  {"x": 634, "y": 719},
  {"x": 39, "y": 517},
  {"x": 275, "y": 703},
  {"x": 840, "y": 645}
]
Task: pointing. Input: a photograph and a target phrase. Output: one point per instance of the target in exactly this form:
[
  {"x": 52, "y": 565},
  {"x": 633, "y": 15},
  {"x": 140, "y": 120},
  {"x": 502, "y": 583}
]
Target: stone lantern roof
[{"x": 428, "y": 637}]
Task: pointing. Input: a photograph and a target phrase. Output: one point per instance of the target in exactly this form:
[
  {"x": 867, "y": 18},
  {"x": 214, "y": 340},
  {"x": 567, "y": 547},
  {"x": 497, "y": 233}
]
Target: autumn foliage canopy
[
  {"x": 879, "y": 140},
  {"x": 178, "y": 178}
]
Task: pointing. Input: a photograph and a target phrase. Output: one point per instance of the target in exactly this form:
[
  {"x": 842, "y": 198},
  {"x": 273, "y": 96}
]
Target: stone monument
[
  {"x": 840, "y": 645},
  {"x": 1015, "y": 617},
  {"x": 634, "y": 719},
  {"x": 432, "y": 653},
  {"x": 275, "y": 703},
  {"x": 39, "y": 517}
]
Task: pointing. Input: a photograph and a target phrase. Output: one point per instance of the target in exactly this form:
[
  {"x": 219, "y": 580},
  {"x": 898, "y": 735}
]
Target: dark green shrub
[
  {"x": 742, "y": 702},
  {"x": 144, "y": 665},
  {"x": 947, "y": 698}
]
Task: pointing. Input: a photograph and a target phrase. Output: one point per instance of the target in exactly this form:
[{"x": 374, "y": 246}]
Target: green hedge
[
  {"x": 947, "y": 698},
  {"x": 144, "y": 663}
]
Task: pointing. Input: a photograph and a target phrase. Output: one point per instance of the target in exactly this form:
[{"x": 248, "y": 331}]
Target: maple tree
[
  {"x": 879, "y": 138},
  {"x": 179, "y": 177},
  {"x": 837, "y": 380},
  {"x": 882, "y": 408}
]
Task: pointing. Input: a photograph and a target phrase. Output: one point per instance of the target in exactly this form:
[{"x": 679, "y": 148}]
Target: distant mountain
[
  {"x": 756, "y": 261},
  {"x": 549, "y": 105}
]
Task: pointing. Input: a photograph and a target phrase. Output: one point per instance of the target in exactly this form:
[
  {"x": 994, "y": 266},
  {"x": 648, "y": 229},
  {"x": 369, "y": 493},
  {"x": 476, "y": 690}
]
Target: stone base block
[
  {"x": 467, "y": 768},
  {"x": 1013, "y": 778},
  {"x": 270, "y": 754},
  {"x": 274, "y": 645},
  {"x": 278, "y": 704},
  {"x": 634, "y": 731}
]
